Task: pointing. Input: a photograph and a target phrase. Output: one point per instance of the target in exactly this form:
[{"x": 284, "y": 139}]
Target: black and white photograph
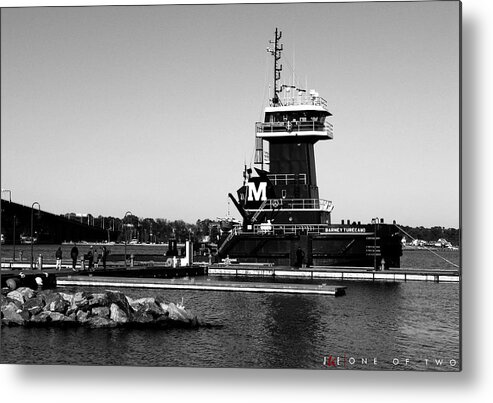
[
  {"x": 248, "y": 186},
  {"x": 236, "y": 185}
]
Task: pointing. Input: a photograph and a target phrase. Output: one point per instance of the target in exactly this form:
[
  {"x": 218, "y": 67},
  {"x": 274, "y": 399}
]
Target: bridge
[{"x": 49, "y": 228}]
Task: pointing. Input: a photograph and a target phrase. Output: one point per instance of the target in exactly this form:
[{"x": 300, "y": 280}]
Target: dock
[
  {"x": 335, "y": 273},
  {"x": 51, "y": 276},
  {"x": 202, "y": 285}
]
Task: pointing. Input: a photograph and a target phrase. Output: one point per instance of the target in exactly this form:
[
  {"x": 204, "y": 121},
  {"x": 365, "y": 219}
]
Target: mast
[{"x": 276, "y": 52}]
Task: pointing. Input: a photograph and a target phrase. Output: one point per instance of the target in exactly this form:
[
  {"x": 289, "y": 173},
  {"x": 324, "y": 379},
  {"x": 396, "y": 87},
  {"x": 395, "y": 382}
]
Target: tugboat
[{"x": 284, "y": 220}]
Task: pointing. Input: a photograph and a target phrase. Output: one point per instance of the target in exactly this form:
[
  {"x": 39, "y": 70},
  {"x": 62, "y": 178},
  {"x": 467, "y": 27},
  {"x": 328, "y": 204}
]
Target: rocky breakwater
[{"x": 26, "y": 307}]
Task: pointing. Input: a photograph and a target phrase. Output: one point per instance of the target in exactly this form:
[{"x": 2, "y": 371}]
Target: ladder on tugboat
[
  {"x": 227, "y": 240},
  {"x": 257, "y": 213},
  {"x": 234, "y": 230}
]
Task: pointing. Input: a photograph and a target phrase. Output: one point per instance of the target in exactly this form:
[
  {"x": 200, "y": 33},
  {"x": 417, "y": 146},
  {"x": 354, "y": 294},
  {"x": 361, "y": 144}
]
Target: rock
[
  {"x": 55, "y": 303},
  {"x": 82, "y": 316},
  {"x": 141, "y": 317},
  {"x": 98, "y": 321},
  {"x": 7, "y": 300},
  {"x": 57, "y": 317},
  {"x": 162, "y": 321},
  {"x": 162, "y": 303},
  {"x": 81, "y": 301},
  {"x": 67, "y": 297},
  {"x": 26, "y": 293},
  {"x": 102, "y": 311},
  {"x": 34, "y": 305},
  {"x": 180, "y": 314},
  {"x": 120, "y": 300},
  {"x": 136, "y": 304},
  {"x": 40, "y": 317},
  {"x": 147, "y": 305},
  {"x": 49, "y": 317},
  {"x": 26, "y": 307},
  {"x": 11, "y": 315},
  {"x": 98, "y": 299},
  {"x": 16, "y": 295},
  {"x": 12, "y": 283},
  {"x": 117, "y": 314}
]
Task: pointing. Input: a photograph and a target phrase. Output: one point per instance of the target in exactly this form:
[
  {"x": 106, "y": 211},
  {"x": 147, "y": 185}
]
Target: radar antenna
[{"x": 276, "y": 52}]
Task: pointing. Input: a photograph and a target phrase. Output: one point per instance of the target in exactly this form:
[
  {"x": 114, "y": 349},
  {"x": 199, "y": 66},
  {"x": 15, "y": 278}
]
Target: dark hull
[{"x": 359, "y": 249}]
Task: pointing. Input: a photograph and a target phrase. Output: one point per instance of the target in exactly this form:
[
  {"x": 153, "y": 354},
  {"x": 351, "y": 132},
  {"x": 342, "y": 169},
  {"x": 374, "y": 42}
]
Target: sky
[{"x": 152, "y": 109}]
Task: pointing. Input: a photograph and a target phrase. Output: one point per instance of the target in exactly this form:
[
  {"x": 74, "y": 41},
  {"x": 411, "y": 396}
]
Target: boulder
[
  {"x": 117, "y": 314},
  {"x": 16, "y": 295},
  {"x": 102, "y": 311},
  {"x": 162, "y": 320},
  {"x": 120, "y": 300},
  {"x": 34, "y": 305},
  {"x": 141, "y": 317},
  {"x": 82, "y": 316},
  {"x": 70, "y": 298},
  {"x": 153, "y": 309},
  {"x": 81, "y": 301},
  {"x": 26, "y": 307},
  {"x": 22, "y": 294},
  {"x": 12, "y": 283},
  {"x": 179, "y": 313},
  {"x": 57, "y": 317},
  {"x": 98, "y": 321},
  {"x": 162, "y": 303},
  {"x": 40, "y": 317},
  {"x": 136, "y": 304},
  {"x": 98, "y": 299},
  {"x": 55, "y": 303},
  {"x": 11, "y": 315},
  {"x": 49, "y": 317},
  {"x": 7, "y": 300}
]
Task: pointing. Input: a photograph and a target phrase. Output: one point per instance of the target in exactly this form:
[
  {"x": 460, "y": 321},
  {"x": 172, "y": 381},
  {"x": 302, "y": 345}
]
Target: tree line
[
  {"x": 160, "y": 230},
  {"x": 150, "y": 230}
]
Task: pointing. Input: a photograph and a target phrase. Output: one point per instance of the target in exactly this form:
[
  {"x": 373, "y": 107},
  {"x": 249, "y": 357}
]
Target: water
[{"x": 400, "y": 325}]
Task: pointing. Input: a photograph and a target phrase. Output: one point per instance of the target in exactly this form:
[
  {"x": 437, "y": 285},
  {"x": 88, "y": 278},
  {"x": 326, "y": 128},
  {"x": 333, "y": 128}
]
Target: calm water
[{"x": 386, "y": 322}]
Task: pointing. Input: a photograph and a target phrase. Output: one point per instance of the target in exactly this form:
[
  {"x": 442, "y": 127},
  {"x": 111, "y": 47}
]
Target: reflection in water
[{"x": 387, "y": 321}]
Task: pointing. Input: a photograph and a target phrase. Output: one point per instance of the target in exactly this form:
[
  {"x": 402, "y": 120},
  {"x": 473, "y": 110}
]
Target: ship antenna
[{"x": 276, "y": 52}]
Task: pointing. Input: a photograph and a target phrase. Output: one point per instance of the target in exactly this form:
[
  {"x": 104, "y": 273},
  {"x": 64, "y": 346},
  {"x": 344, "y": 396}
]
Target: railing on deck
[
  {"x": 298, "y": 204},
  {"x": 294, "y": 126},
  {"x": 302, "y": 98},
  {"x": 280, "y": 229}
]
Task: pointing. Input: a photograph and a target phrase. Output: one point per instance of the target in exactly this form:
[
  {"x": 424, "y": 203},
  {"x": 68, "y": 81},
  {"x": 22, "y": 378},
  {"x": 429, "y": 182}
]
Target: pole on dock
[
  {"x": 13, "y": 238},
  {"x": 32, "y": 230},
  {"x": 125, "y": 236}
]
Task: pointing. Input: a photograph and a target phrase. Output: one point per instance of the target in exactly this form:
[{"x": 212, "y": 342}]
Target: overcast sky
[{"x": 152, "y": 108}]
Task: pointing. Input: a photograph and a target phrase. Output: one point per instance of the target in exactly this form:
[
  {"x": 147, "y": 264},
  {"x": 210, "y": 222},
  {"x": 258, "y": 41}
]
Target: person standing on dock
[
  {"x": 300, "y": 255},
  {"x": 104, "y": 255},
  {"x": 97, "y": 258},
  {"x": 90, "y": 258},
  {"x": 58, "y": 257},
  {"x": 74, "y": 253}
]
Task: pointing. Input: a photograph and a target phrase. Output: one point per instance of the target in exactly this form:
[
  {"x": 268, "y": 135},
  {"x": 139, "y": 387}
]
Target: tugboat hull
[{"x": 358, "y": 249}]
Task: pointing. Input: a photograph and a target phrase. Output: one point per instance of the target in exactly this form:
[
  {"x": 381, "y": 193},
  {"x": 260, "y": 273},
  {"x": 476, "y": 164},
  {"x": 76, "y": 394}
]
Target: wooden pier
[
  {"x": 203, "y": 285},
  {"x": 50, "y": 276},
  {"x": 335, "y": 273}
]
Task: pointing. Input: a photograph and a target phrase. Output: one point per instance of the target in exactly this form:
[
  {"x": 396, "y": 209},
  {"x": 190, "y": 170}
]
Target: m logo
[{"x": 257, "y": 193}]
